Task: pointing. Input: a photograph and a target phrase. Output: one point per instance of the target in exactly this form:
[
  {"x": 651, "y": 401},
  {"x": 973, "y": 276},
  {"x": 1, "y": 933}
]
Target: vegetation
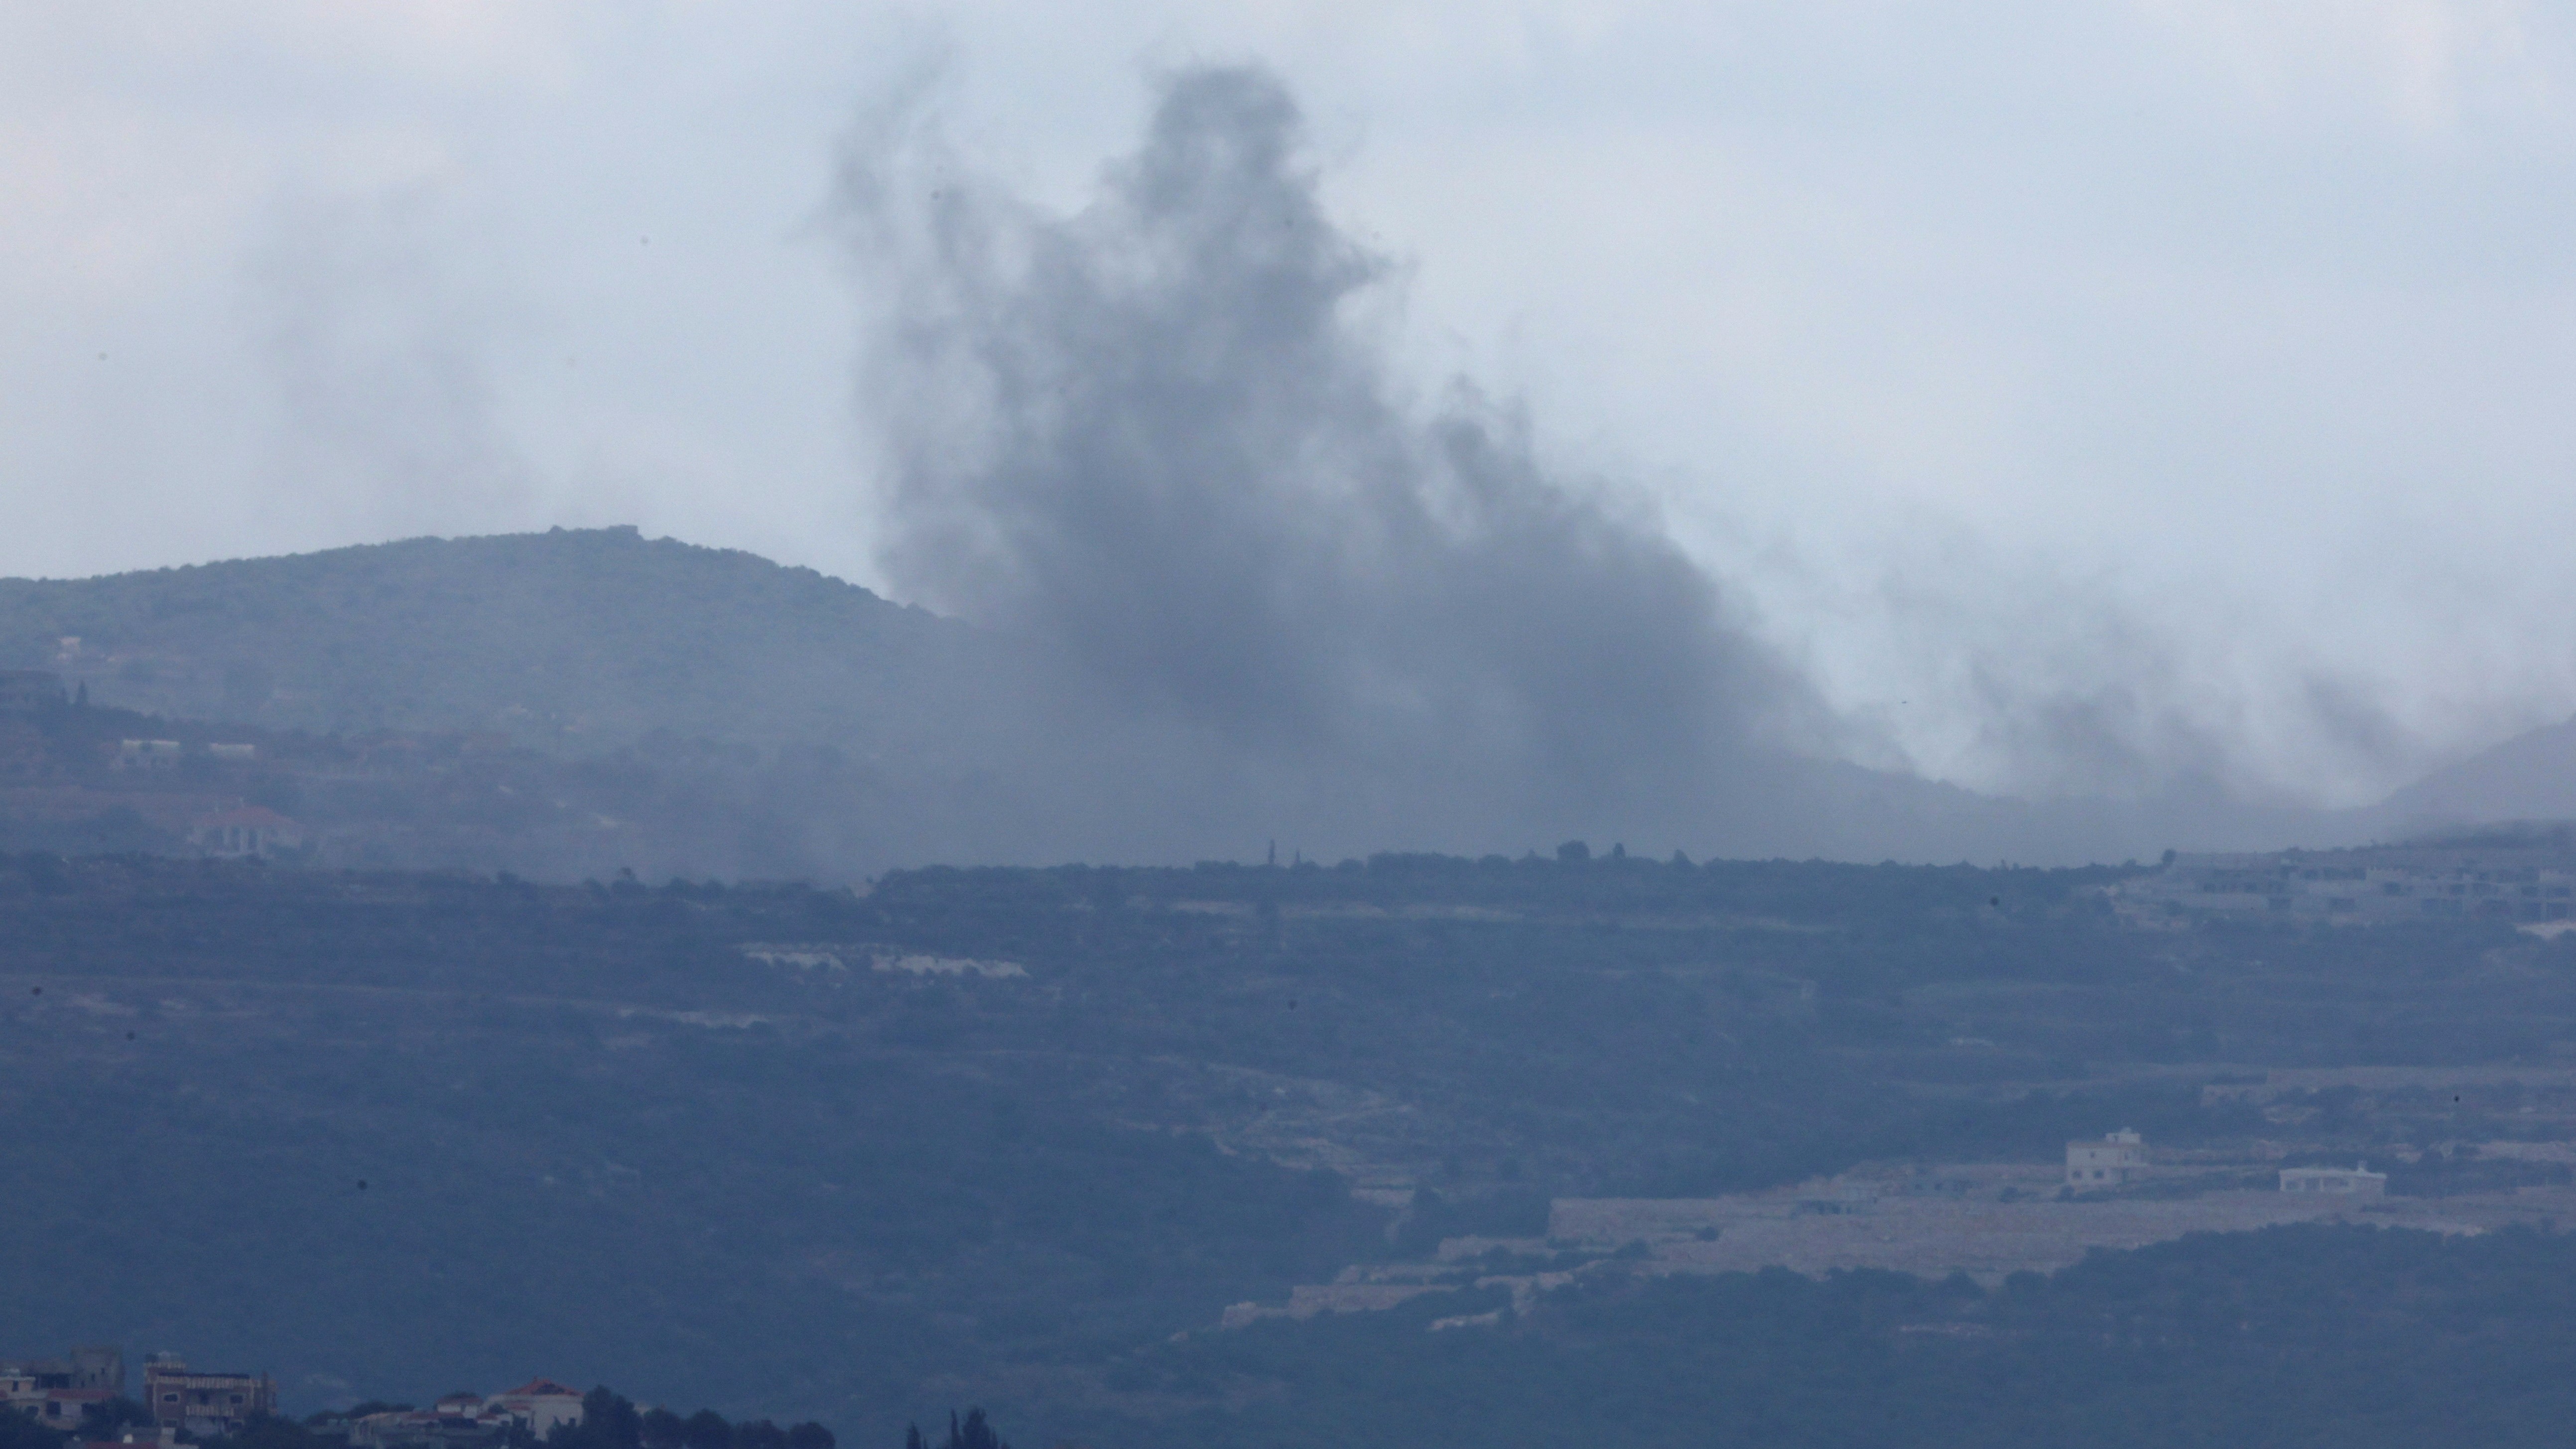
[
  {"x": 585, "y": 639},
  {"x": 2292, "y": 1337},
  {"x": 611, "y": 1421},
  {"x": 487, "y": 1128},
  {"x": 975, "y": 1433}
]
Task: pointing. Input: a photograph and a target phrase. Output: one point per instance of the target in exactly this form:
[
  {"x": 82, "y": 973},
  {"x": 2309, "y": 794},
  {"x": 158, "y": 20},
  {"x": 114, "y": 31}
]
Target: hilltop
[
  {"x": 774, "y": 720},
  {"x": 577, "y": 639}
]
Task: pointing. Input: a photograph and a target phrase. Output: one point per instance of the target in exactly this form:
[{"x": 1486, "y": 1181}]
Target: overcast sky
[{"x": 2164, "y": 385}]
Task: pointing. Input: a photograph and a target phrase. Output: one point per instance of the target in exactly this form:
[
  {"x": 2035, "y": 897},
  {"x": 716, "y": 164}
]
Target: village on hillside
[
  {"x": 2526, "y": 878},
  {"x": 79, "y": 778},
  {"x": 82, "y": 1394},
  {"x": 79, "y": 1400}
]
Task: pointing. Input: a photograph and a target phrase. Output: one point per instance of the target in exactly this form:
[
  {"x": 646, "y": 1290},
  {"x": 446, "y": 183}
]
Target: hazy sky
[{"x": 2080, "y": 392}]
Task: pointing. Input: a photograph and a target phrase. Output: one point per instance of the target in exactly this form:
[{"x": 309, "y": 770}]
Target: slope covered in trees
[{"x": 992, "y": 1136}]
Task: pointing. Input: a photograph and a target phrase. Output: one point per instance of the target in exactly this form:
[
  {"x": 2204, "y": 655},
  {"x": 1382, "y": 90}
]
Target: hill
[
  {"x": 577, "y": 640},
  {"x": 2529, "y": 777},
  {"x": 726, "y": 715}
]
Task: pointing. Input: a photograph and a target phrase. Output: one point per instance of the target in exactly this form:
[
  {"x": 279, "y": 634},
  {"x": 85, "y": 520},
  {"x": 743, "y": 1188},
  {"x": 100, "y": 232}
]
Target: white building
[
  {"x": 470, "y": 1421},
  {"x": 249, "y": 830},
  {"x": 2119, "y": 1158},
  {"x": 540, "y": 1404},
  {"x": 2355, "y": 1181},
  {"x": 146, "y": 755}
]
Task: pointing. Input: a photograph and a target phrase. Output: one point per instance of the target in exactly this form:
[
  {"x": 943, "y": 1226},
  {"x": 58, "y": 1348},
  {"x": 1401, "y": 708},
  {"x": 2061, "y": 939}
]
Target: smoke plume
[{"x": 1160, "y": 437}]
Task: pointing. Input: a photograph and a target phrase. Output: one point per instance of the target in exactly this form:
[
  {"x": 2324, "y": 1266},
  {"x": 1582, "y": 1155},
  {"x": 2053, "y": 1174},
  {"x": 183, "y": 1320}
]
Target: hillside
[
  {"x": 997, "y": 1135},
  {"x": 580, "y": 640},
  {"x": 2529, "y": 777},
  {"x": 719, "y": 714}
]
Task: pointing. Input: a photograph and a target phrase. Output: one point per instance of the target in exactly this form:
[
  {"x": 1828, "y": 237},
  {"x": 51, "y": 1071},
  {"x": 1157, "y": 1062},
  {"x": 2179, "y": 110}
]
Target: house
[
  {"x": 2119, "y": 1158},
  {"x": 2356, "y": 1181},
  {"x": 145, "y": 755},
  {"x": 470, "y": 1421},
  {"x": 63, "y": 1409},
  {"x": 92, "y": 1366},
  {"x": 541, "y": 1404},
  {"x": 246, "y": 830},
  {"x": 203, "y": 1403},
  {"x": 446, "y": 1425}
]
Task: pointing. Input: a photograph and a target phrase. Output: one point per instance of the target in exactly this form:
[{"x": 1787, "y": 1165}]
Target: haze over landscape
[
  {"x": 1820, "y": 727},
  {"x": 2197, "y": 434}
]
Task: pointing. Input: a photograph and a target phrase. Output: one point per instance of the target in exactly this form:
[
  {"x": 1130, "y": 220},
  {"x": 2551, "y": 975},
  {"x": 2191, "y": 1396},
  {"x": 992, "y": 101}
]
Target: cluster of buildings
[
  {"x": 470, "y": 1421},
  {"x": 83, "y": 1392},
  {"x": 2523, "y": 884},
  {"x": 148, "y": 779},
  {"x": 75, "y": 1392},
  {"x": 2119, "y": 1159},
  {"x": 57, "y": 1392}
]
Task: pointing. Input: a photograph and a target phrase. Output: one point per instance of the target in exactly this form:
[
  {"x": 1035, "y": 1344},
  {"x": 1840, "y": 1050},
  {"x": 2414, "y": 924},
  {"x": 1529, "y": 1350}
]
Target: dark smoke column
[{"x": 1152, "y": 438}]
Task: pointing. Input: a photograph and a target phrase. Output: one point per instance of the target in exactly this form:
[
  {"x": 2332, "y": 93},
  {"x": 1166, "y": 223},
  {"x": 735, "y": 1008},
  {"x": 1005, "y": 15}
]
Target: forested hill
[{"x": 582, "y": 639}]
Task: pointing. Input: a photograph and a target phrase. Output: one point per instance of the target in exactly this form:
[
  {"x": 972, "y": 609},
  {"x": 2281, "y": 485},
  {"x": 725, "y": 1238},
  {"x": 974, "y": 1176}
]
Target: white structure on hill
[
  {"x": 2119, "y": 1158},
  {"x": 2355, "y": 1181}
]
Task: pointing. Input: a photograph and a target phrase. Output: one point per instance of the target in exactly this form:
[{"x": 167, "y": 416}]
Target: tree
[
  {"x": 608, "y": 1421},
  {"x": 974, "y": 1433},
  {"x": 809, "y": 1435},
  {"x": 663, "y": 1429},
  {"x": 267, "y": 1431},
  {"x": 706, "y": 1429},
  {"x": 107, "y": 1419},
  {"x": 19, "y": 1431}
]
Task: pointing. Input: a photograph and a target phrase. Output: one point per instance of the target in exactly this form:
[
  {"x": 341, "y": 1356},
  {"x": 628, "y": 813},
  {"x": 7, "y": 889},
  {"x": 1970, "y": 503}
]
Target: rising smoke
[
  {"x": 1159, "y": 436},
  {"x": 1159, "y": 441}
]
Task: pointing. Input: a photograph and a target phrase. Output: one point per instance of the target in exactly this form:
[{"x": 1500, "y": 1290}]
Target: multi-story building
[
  {"x": 2118, "y": 1159},
  {"x": 91, "y": 1366},
  {"x": 202, "y": 1402},
  {"x": 58, "y": 1392}
]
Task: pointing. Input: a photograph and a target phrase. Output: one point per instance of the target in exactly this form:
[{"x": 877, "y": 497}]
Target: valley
[{"x": 992, "y": 1133}]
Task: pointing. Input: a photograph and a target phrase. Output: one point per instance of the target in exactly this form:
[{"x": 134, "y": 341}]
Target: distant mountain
[
  {"x": 726, "y": 715},
  {"x": 577, "y": 639},
  {"x": 2529, "y": 777}
]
